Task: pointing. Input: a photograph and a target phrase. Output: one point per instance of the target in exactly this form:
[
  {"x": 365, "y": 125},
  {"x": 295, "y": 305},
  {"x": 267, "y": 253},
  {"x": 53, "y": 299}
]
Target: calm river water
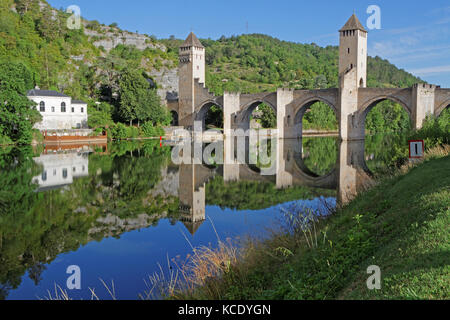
[{"x": 117, "y": 211}]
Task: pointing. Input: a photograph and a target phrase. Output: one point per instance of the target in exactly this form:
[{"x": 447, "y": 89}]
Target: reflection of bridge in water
[{"x": 349, "y": 175}]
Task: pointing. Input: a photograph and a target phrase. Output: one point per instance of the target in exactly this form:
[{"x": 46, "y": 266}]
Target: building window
[
  {"x": 63, "y": 107},
  {"x": 64, "y": 173},
  {"x": 82, "y": 110},
  {"x": 42, "y": 106},
  {"x": 348, "y": 50},
  {"x": 44, "y": 176},
  {"x": 53, "y": 109},
  {"x": 73, "y": 110}
]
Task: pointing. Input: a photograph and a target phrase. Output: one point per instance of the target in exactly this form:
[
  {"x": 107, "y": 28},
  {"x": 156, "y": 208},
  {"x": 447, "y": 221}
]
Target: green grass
[{"x": 402, "y": 225}]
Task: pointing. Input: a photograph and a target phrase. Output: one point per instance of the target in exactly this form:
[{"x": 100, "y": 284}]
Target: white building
[{"x": 58, "y": 111}]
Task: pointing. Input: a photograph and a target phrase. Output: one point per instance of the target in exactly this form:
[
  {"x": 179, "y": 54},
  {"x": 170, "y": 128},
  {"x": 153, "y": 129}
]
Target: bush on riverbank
[
  {"x": 401, "y": 225},
  {"x": 119, "y": 131},
  {"x": 435, "y": 131}
]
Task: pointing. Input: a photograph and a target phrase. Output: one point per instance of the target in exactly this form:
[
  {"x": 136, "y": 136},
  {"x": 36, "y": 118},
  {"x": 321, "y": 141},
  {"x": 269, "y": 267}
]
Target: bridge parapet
[
  {"x": 203, "y": 95},
  {"x": 369, "y": 97}
]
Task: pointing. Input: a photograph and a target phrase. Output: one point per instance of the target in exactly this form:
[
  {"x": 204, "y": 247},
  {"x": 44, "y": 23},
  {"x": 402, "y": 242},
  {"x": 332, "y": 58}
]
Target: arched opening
[
  {"x": 317, "y": 156},
  {"x": 211, "y": 116},
  {"x": 63, "y": 107},
  {"x": 316, "y": 116},
  {"x": 42, "y": 106},
  {"x": 259, "y": 115},
  {"x": 443, "y": 119},
  {"x": 175, "y": 120},
  {"x": 444, "y": 112},
  {"x": 361, "y": 83},
  {"x": 386, "y": 116}
]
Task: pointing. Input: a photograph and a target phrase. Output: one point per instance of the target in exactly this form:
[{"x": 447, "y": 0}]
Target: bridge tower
[
  {"x": 352, "y": 76},
  {"x": 353, "y": 50},
  {"x": 191, "y": 67}
]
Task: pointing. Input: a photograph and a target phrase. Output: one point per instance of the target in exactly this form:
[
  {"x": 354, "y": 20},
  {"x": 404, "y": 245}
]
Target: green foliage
[
  {"x": 268, "y": 118},
  {"x": 17, "y": 112},
  {"x": 214, "y": 117},
  {"x": 386, "y": 117},
  {"x": 435, "y": 131},
  {"x": 320, "y": 116},
  {"x": 118, "y": 131},
  {"x": 99, "y": 116},
  {"x": 320, "y": 154},
  {"x": 148, "y": 130},
  {"x": 138, "y": 101}
]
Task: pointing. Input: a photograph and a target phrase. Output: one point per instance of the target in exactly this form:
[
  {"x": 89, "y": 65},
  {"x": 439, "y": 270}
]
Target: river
[{"x": 121, "y": 210}]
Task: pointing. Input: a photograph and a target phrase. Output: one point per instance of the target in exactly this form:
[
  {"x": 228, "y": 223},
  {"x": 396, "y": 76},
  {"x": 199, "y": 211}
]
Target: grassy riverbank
[{"x": 401, "y": 225}]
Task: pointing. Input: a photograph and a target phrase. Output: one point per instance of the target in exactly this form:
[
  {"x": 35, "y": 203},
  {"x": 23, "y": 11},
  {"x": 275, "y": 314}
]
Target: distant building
[{"x": 58, "y": 111}]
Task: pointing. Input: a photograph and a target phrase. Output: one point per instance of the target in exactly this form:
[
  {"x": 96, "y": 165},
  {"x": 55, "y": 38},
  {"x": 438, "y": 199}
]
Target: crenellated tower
[
  {"x": 352, "y": 76},
  {"x": 353, "y": 51},
  {"x": 191, "y": 67}
]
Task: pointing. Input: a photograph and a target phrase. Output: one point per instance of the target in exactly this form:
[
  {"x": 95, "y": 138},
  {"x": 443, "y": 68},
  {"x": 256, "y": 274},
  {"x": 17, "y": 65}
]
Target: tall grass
[{"x": 208, "y": 271}]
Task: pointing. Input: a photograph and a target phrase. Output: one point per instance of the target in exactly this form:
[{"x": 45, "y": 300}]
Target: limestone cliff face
[
  {"x": 167, "y": 80},
  {"x": 109, "y": 38}
]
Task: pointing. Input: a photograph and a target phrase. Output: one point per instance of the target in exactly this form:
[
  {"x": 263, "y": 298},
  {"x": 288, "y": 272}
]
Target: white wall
[{"x": 57, "y": 120}]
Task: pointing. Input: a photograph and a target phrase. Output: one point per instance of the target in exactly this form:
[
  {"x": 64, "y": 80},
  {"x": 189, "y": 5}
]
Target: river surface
[{"x": 119, "y": 211}]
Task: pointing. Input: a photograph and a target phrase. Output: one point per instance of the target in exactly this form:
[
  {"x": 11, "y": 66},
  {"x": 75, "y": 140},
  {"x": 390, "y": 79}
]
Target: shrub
[
  {"x": 435, "y": 131},
  {"x": 4, "y": 140},
  {"x": 132, "y": 132},
  {"x": 118, "y": 131},
  {"x": 148, "y": 130}
]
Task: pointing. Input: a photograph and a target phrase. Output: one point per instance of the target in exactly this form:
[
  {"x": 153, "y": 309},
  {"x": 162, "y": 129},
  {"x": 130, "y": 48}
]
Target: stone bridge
[{"x": 351, "y": 102}]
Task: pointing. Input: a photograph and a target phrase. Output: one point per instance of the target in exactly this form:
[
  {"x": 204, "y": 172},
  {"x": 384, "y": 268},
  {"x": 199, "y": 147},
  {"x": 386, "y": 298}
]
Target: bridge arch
[
  {"x": 303, "y": 105},
  {"x": 442, "y": 107},
  {"x": 373, "y": 102},
  {"x": 203, "y": 110},
  {"x": 243, "y": 119},
  {"x": 175, "y": 118}
]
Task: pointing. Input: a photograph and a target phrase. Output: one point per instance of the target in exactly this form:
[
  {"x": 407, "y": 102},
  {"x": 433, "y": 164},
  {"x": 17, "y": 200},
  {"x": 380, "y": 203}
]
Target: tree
[
  {"x": 268, "y": 117},
  {"x": 17, "y": 112},
  {"x": 138, "y": 101}
]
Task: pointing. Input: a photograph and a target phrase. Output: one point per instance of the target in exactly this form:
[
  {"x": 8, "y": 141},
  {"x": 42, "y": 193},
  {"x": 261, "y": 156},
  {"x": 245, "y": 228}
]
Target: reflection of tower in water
[{"x": 192, "y": 197}]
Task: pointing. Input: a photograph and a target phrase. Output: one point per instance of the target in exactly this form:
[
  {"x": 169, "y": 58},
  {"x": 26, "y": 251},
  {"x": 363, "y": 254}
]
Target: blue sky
[{"x": 414, "y": 35}]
